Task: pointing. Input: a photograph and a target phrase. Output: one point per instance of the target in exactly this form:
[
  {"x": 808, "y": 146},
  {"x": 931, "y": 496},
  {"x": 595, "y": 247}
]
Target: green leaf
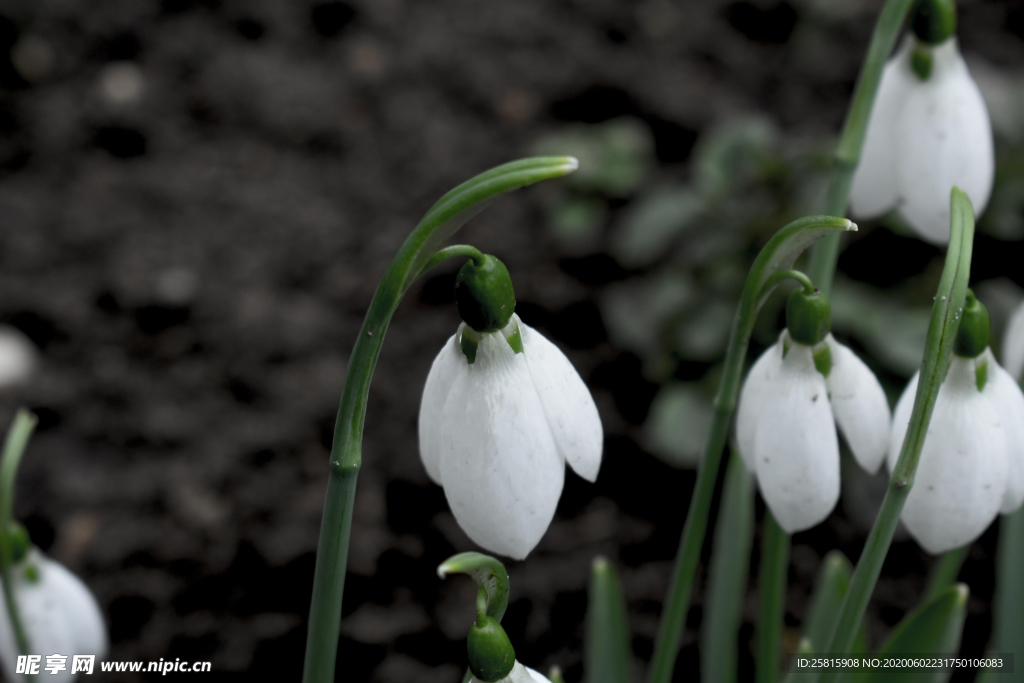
[
  {"x": 487, "y": 572},
  {"x": 833, "y": 581},
  {"x": 933, "y": 629},
  {"x": 607, "y": 655},
  {"x": 727, "y": 582},
  {"x": 1008, "y": 603},
  {"x": 772, "y": 585}
]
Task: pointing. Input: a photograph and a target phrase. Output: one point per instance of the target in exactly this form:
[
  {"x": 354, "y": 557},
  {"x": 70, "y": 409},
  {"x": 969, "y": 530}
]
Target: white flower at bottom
[
  {"x": 519, "y": 674},
  {"x": 58, "y": 613},
  {"x": 923, "y": 137},
  {"x": 496, "y": 434},
  {"x": 972, "y": 461},
  {"x": 786, "y": 426}
]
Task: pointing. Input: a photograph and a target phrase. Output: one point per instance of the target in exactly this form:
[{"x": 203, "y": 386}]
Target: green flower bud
[
  {"x": 808, "y": 317},
  {"x": 17, "y": 538},
  {"x": 972, "y": 337},
  {"x": 491, "y": 656},
  {"x": 484, "y": 294},
  {"x": 933, "y": 21}
]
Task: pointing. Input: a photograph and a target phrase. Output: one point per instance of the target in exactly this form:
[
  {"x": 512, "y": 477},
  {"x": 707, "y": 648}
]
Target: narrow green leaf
[
  {"x": 933, "y": 629},
  {"x": 607, "y": 634},
  {"x": 727, "y": 582},
  {"x": 487, "y": 572},
  {"x": 772, "y": 584},
  {"x": 1008, "y": 603},
  {"x": 945, "y": 572},
  {"x": 833, "y": 581}
]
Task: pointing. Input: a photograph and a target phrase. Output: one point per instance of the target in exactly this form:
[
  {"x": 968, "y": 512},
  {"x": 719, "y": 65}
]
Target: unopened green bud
[
  {"x": 808, "y": 317},
  {"x": 973, "y": 335},
  {"x": 484, "y": 294},
  {"x": 933, "y": 21},
  {"x": 491, "y": 656},
  {"x": 18, "y": 541}
]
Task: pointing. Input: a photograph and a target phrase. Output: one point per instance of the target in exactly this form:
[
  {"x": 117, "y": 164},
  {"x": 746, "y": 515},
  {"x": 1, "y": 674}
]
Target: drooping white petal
[
  {"x": 796, "y": 450},
  {"x": 1013, "y": 344},
  {"x": 874, "y": 191},
  {"x": 59, "y": 615},
  {"x": 17, "y": 357},
  {"x": 901, "y": 421},
  {"x": 758, "y": 389},
  {"x": 570, "y": 410},
  {"x": 446, "y": 368},
  {"x": 860, "y": 406},
  {"x": 1008, "y": 400},
  {"x": 961, "y": 476},
  {"x": 520, "y": 674},
  {"x": 945, "y": 140},
  {"x": 498, "y": 462}
]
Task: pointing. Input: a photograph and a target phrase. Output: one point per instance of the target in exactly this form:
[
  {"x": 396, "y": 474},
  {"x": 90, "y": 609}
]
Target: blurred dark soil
[{"x": 197, "y": 198}]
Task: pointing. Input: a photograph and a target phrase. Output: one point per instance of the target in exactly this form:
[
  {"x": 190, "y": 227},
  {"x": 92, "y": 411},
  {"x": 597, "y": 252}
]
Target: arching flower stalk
[
  {"x": 502, "y": 412},
  {"x": 792, "y": 399},
  {"x": 972, "y": 462},
  {"x": 929, "y": 130}
]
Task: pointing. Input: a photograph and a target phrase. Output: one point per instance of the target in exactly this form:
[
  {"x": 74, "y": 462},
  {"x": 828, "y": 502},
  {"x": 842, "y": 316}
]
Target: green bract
[
  {"x": 808, "y": 317},
  {"x": 491, "y": 656},
  {"x": 483, "y": 292},
  {"x": 973, "y": 336},
  {"x": 933, "y": 21}
]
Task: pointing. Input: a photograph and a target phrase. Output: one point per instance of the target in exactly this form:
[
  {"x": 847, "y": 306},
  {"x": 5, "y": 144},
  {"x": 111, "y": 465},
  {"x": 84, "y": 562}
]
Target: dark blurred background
[{"x": 198, "y": 197}]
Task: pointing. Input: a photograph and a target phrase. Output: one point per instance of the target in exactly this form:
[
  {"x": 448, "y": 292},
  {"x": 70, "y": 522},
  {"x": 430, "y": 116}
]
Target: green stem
[
  {"x": 777, "y": 254},
  {"x": 454, "y": 251},
  {"x": 945, "y": 572},
  {"x": 774, "y": 566},
  {"x": 949, "y": 301},
  {"x": 1008, "y": 603},
  {"x": 825, "y": 253},
  {"x": 804, "y": 281},
  {"x": 417, "y": 252},
  {"x": 14, "y": 447}
]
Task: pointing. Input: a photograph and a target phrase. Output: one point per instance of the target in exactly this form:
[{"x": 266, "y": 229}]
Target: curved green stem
[
  {"x": 454, "y": 251},
  {"x": 825, "y": 253},
  {"x": 778, "y": 277},
  {"x": 418, "y": 250},
  {"x": 774, "y": 566},
  {"x": 949, "y": 301},
  {"x": 777, "y": 254},
  {"x": 489, "y": 574},
  {"x": 14, "y": 447}
]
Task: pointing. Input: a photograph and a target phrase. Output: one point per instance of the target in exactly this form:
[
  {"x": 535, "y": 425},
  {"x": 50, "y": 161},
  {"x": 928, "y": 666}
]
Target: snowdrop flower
[
  {"x": 519, "y": 674},
  {"x": 503, "y": 410},
  {"x": 58, "y": 613},
  {"x": 792, "y": 399},
  {"x": 1013, "y": 344},
  {"x": 972, "y": 462},
  {"x": 17, "y": 357},
  {"x": 929, "y": 130}
]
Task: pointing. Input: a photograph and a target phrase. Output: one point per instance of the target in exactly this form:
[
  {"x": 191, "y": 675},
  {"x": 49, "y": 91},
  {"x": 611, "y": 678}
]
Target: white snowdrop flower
[
  {"x": 17, "y": 357},
  {"x": 929, "y": 130},
  {"x": 786, "y": 422},
  {"x": 1013, "y": 344},
  {"x": 971, "y": 466},
  {"x": 501, "y": 414},
  {"x": 58, "y": 613},
  {"x": 519, "y": 674}
]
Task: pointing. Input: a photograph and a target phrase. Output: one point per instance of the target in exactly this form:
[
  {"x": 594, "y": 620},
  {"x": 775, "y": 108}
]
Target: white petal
[
  {"x": 519, "y": 674},
  {"x": 757, "y": 389},
  {"x": 961, "y": 477},
  {"x": 1013, "y": 344},
  {"x": 59, "y": 614},
  {"x": 859, "y": 405},
  {"x": 500, "y": 467},
  {"x": 796, "y": 450},
  {"x": 17, "y": 357},
  {"x": 945, "y": 139},
  {"x": 901, "y": 421},
  {"x": 446, "y": 368},
  {"x": 571, "y": 413},
  {"x": 1008, "y": 400},
  {"x": 874, "y": 192}
]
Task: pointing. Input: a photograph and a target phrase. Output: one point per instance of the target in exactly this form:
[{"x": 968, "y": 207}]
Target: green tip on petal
[
  {"x": 808, "y": 317},
  {"x": 933, "y": 21},
  {"x": 921, "y": 63},
  {"x": 972, "y": 337}
]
